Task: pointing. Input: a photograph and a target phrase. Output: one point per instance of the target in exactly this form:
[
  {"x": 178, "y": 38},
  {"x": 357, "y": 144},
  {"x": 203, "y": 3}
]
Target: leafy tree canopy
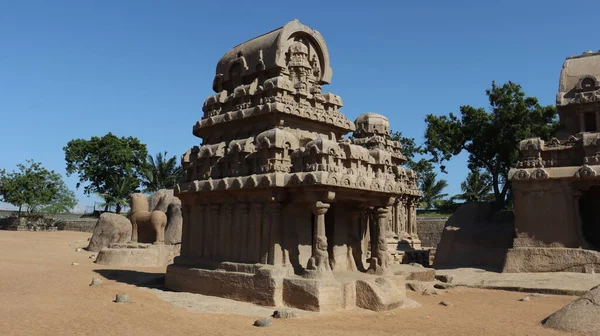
[
  {"x": 106, "y": 163},
  {"x": 491, "y": 137},
  {"x": 36, "y": 188},
  {"x": 410, "y": 149}
]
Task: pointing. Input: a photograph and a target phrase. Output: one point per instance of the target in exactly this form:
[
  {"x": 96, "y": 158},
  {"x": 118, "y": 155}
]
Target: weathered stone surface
[
  {"x": 96, "y": 282},
  {"x": 284, "y": 313},
  {"x": 378, "y": 294},
  {"x": 545, "y": 259},
  {"x": 580, "y": 316},
  {"x": 174, "y": 222},
  {"x": 447, "y": 278},
  {"x": 110, "y": 228},
  {"x": 443, "y": 285},
  {"x": 475, "y": 236},
  {"x": 122, "y": 298},
  {"x": 410, "y": 272},
  {"x": 430, "y": 231},
  {"x": 416, "y": 286},
  {"x": 264, "y": 322},
  {"x": 430, "y": 291},
  {"x": 137, "y": 254}
]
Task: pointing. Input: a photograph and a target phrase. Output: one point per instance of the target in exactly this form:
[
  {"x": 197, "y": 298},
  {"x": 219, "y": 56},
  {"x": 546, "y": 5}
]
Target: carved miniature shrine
[
  {"x": 278, "y": 207},
  {"x": 557, "y": 183}
]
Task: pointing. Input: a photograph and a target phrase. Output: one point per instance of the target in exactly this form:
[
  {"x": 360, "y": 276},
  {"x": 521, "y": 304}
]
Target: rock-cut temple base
[
  {"x": 137, "y": 254},
  {"x": 269, "y": 286}
]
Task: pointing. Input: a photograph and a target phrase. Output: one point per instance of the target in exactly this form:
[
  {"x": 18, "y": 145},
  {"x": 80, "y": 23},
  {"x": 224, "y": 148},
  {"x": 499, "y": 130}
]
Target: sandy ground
[{"x": 42, "y": 293}]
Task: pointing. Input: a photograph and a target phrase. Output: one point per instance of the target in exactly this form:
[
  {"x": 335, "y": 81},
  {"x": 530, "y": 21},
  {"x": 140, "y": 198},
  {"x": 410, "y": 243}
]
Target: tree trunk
[
  {"x": 118, "y": 208},
  {"x": 19, "y": 213},
  {"x": 106, "y": 208},
  {"x": 498, "y": 196}
]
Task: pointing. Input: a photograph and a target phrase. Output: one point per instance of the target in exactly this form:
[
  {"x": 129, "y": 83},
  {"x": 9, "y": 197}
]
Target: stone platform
[
  {"x": 137, "y": 254},
  {"x": 546, "y": 259},
  {"x": 559, "y": 283},
  {"x": 270, "y": 286}
]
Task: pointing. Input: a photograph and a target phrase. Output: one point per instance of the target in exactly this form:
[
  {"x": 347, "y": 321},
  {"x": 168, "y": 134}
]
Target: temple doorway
[{"x": 589, "y": 209}]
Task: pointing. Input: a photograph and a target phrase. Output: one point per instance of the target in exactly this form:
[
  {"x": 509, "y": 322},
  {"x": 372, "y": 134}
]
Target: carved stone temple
[
  {"x": 279, "y": 208},
  {"x": 556, "y": 183}
]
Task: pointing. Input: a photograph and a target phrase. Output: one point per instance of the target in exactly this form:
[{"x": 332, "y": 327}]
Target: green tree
[
  {"x": 491, "y": 137},
  {"x": 104, "y": 163},
  {"x": 121, "y": 189},
  {"x": 36, "y": 188},
  {"x": 410, "y": 149},
  {"x": 160, "y": 172},
  {"x": 476, "y": 187},
  {"x": 432, "y": 190}
]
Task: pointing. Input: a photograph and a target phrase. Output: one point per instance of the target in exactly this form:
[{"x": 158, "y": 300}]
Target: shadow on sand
[{"x": 139, "y": 279}]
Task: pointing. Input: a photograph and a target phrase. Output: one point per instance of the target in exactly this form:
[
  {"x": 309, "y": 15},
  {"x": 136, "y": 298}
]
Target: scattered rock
[
  {"x": 79, "y": 249},
  {"x": 430, "y": 291},
  {"x": 444, "y": 278},
  {"x": 110, "y": 228},
  {"x": 265, "y": 322},
  {"x": 74, "y": 264},
  {"x": 579, "y": 316},
  {"x": 92, "y": 256},
  {"x": 445, "y": 303},
  {"x": 527, "y": 298},
  {"x": 284, "y": 313},
  {"x": 415, "y": 286},
  {"x": 96, "y": 282},
  {"x": 122, "y": 298},
  {"x": 443, "y": 285}
]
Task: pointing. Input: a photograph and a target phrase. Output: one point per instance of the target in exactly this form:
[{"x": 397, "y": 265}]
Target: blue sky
[{"x": 75, "y": 69}]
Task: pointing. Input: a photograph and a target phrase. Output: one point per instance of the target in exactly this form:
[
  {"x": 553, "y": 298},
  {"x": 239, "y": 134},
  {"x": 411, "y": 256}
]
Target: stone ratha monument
[{"x": 279, "y": 208}]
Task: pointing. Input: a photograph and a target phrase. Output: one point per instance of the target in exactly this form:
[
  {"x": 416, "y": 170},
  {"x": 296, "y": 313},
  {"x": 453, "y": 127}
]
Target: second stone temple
[{"x": 279, "y": 208}]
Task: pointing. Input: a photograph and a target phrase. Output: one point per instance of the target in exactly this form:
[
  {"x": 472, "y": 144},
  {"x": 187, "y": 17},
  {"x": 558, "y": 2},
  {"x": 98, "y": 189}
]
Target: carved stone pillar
[
  {"x": 214, "y": 223},
  {"x": 380, "y": 257},
  {"x": 355, "y": 251},
  {"x": 319, "y": 261},
  {"x": 402, "y": 219},
  {"x": 277, "y": 255},
  {"x": 207, "y": 232},
  {"x": 242, "y": 248}
]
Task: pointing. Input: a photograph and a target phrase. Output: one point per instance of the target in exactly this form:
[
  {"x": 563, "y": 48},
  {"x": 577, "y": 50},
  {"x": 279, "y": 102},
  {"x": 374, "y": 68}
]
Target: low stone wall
[
  {"x": 46, "y": 224},
  {"x": 430, "y": 231}
]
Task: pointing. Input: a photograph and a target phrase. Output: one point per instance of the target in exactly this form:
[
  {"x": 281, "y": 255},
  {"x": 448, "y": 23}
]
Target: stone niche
[
  {"x": 279, "y": 208},
  {"x": 556, "y": 183}
]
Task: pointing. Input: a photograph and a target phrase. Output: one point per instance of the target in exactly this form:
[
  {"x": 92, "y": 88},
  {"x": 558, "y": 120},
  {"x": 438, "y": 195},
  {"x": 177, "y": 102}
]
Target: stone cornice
[{"x": 298, "y": 179}]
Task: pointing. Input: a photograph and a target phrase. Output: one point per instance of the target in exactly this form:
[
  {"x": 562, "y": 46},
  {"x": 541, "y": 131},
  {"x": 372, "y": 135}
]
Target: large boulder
[
  {"x": 165, "y": 201},
  {"x": 580, "y": 316},
  {"x": 110, "y": 228},
  {"x": 476, "y": 235},
  {"x": 174, "y": 222}
]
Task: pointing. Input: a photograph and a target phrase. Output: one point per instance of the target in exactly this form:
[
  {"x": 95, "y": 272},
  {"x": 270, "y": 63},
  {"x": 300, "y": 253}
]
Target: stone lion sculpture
[{"x": 146, "y": 225}]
